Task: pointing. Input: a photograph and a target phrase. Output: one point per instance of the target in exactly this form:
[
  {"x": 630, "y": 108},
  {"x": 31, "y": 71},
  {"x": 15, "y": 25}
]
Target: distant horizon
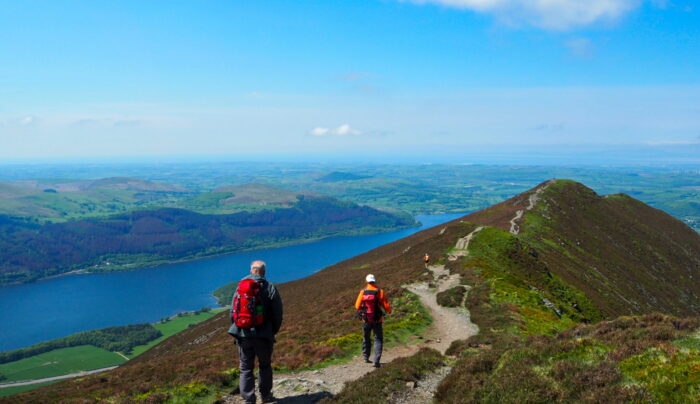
[{"x": 576, "y": 155}]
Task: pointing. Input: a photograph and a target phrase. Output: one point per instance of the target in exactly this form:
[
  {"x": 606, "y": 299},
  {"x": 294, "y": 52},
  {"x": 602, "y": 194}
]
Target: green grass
[
  {"x": 671, "y": 378},
  {"x": 60, "y": 362},
  {"x": 518, "y": 279},
  {"x": 172, "y": 327},
  {"x": 185, "y": 394},
  {"x": 8, "y": 391},
  {"x": 409, "y": 318}
]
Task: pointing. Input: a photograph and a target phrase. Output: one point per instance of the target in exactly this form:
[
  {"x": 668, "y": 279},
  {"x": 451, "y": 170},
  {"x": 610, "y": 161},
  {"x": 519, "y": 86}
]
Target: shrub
[{"x": 451, "y": 297}]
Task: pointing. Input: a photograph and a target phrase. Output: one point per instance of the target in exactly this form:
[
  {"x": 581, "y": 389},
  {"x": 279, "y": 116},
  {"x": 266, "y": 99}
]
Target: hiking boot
[
  {"x": 377, "y": 364},
  {"x": 367, "y": 360},
  {"x": 269, "y": 398}
]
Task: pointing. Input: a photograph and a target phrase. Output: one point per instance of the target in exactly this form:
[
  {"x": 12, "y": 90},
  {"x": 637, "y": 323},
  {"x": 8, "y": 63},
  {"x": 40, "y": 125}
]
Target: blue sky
[{"x": 384, "y": 77}]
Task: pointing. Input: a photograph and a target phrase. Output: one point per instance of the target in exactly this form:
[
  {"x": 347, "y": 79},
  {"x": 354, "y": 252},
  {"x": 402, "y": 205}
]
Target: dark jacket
[{"x": 273, "y": 314}]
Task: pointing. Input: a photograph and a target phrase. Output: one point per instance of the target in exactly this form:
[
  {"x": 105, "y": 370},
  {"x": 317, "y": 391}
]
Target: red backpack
[
  {"x": 370, "y": 311},
  {"x": 247, "y": 308}
]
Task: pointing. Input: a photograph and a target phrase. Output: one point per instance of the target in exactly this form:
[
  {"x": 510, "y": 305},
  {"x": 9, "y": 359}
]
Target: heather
[{"x": 544, "y": 335}]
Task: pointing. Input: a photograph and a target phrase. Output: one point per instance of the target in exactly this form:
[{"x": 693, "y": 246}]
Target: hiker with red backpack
[
  {"x": 369, "y": 305},
  {"x": 256, "y": 316}
]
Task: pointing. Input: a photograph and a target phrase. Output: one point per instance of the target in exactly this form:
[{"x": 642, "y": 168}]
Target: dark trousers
[
  {"x": 248, "y": 350},
  {"x": 367, "y": 329}
]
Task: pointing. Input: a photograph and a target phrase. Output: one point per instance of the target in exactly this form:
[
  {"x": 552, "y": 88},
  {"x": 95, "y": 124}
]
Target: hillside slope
[
  {"x": 625, "y": 255},
  {"x": 31, "y": 251},
  {"x": 524, "y": 292}
]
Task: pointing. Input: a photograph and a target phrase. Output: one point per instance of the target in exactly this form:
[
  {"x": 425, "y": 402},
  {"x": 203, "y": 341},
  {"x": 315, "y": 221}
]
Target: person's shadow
[{"x": 309, "y": 398}]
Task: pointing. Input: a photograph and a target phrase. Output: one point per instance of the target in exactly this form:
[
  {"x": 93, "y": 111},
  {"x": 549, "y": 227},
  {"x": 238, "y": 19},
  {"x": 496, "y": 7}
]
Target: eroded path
[
  {"x": 449, "y": 324},
  {"x": 532, "y": 201}
]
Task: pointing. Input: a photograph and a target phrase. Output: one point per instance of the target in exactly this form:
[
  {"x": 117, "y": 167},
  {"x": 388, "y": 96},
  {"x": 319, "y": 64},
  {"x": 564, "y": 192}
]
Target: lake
[{"x": 53, "y": 308}]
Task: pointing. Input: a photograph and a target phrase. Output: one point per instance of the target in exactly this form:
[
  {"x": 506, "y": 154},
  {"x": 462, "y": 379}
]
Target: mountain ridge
[{"x": 521, "y": 292}]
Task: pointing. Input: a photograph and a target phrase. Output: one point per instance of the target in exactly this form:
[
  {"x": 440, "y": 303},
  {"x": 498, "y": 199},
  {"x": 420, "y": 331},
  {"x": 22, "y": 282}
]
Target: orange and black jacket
[{"x": 382, "y": 299}]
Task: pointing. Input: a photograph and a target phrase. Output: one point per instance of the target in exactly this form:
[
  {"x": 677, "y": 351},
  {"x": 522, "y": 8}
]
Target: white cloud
[
  {"x": 580, "y": 47},
  {"x": 342, "y": 130},
  {"x": 27, "y": 120},
  {"x": 547, "y": 14},
  {"x": 345, "y": 129},
  {"x": 319, "y": 131}
]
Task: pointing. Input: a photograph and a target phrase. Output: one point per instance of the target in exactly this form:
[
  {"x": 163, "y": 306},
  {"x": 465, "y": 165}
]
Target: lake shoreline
[
  {"x": 138, "y": 296},
  {"x": 157, "y": 263}
]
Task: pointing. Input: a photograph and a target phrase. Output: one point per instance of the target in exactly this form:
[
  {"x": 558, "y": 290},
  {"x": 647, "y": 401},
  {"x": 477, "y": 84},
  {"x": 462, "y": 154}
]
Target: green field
[
  {"x": 60, "y": 362},
  {"x": 172, "y": 327},
  {"x": 85, "y": 357}
]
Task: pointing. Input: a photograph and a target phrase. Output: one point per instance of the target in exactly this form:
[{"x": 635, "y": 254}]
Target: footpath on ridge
[{"x": 449, "y": 324}]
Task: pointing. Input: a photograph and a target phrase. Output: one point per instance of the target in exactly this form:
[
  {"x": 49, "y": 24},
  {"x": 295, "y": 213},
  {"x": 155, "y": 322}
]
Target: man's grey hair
[{"x": 258, "y": 267}]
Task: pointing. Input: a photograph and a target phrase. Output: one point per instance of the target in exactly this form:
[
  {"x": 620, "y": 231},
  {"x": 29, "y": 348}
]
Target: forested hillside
[{"x": 29, "y": 250}]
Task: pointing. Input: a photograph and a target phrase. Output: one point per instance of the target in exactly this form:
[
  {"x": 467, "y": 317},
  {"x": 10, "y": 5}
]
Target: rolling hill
[
  {"x": 549, "y": 274},
  {"x": 61, "y": 200}
]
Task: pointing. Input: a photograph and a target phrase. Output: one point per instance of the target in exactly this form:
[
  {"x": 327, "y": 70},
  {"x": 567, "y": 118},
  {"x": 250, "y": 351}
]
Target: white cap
[{"x": 370, "y": 278}]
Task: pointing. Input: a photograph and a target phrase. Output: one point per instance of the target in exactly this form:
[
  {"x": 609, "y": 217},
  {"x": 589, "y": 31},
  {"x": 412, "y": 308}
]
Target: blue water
[{"x": 57, "y": 307}]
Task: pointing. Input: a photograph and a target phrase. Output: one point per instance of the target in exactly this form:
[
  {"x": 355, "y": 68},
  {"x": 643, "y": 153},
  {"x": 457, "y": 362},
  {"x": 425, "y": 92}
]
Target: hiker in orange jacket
[{"x": 369, "y": 305}]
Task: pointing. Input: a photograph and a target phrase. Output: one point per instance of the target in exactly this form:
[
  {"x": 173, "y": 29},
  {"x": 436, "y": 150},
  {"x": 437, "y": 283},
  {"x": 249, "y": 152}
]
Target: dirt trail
[
  {"x": 532, "y": 200},
  {"x": 449, "y": 324},
  {"x": 461, "y": 249}
]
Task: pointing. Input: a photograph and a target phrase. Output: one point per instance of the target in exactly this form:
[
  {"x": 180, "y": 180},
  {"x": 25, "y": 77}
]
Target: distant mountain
[
  {"x": 547, "y": 273},
  {"x": 29, "y": 250},
  {"x": 254, "y": 193},
  {"x": 132, "y": 184}
]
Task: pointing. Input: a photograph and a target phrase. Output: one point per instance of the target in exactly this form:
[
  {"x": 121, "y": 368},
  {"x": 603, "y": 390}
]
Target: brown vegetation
[{"x": 510, "y": 360}]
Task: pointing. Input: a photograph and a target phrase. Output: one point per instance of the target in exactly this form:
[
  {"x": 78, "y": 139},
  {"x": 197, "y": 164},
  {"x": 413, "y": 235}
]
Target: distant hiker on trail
[
  {"x": 256, "y": 314},
  {"x": 426, "y": 259},
  {"x": 369, "y": 306}
]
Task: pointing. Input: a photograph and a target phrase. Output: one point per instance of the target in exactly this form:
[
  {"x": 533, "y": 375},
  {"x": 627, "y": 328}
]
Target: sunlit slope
[
  {"x": 626, "y": 256},
  {"x": 510, "y": 274}
]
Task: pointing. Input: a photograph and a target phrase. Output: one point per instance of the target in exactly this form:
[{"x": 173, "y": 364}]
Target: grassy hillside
[
  {"x": 542, "y": 338},
  {"x": 531, "y": 351},
  {"x": 624, "y": 255},
  {"x": 250, "y": 197}
]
